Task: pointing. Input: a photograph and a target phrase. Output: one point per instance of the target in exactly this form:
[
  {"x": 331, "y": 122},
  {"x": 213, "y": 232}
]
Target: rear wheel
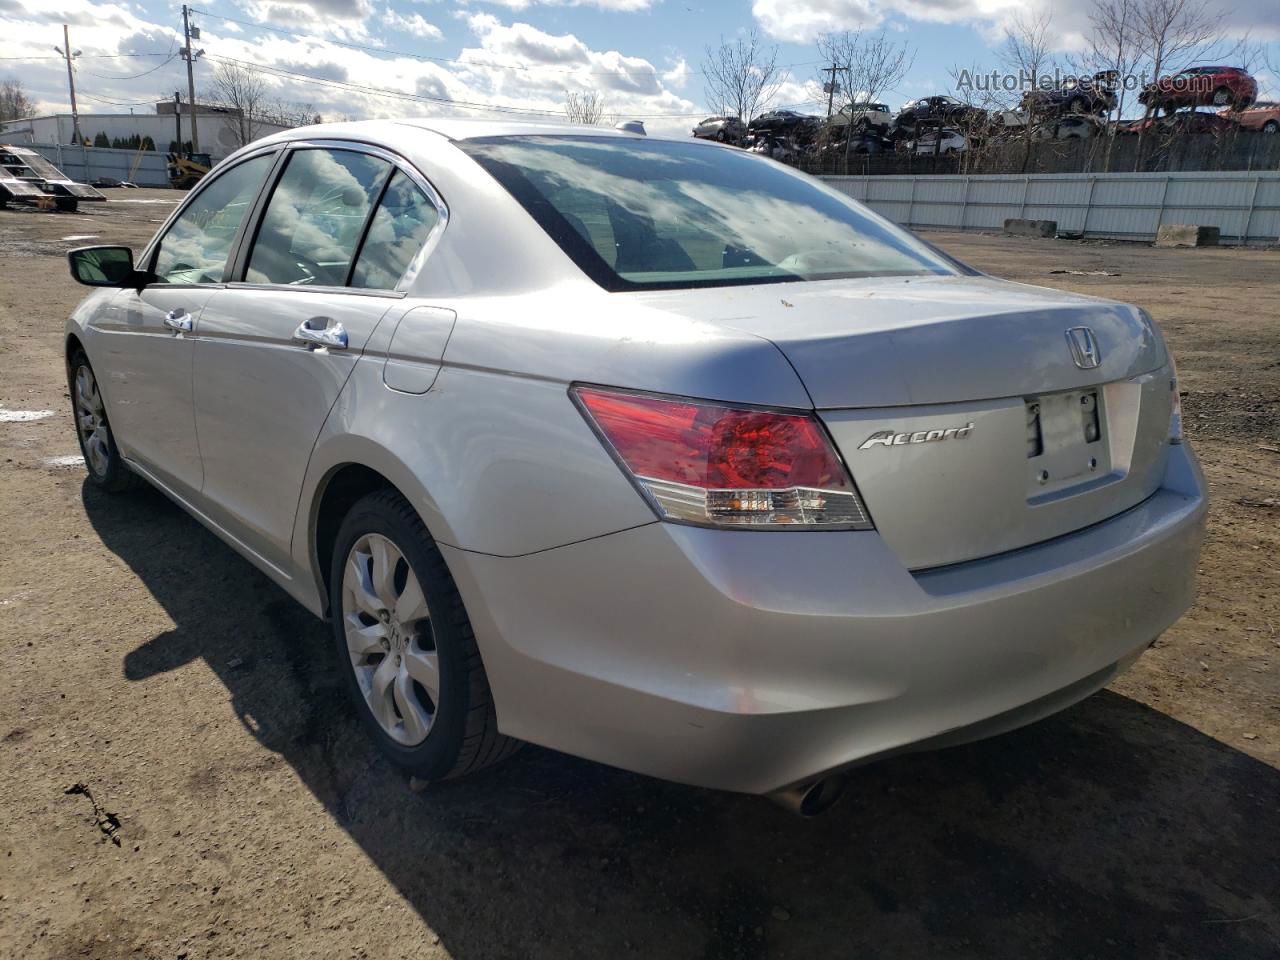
[
  {"x": 1271, "y": 126},
  {"x": 1078, "y": 105},
  {"x": 102, "y": 459},
  {"x": 1221, "y": 97},
  {"x": 406, "y": 645}
]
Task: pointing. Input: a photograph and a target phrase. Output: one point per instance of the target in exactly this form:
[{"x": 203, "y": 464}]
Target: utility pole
[
  {"x": 70, "y": 54},
  {"x": 177, "y": 122},
  {"x": 190, "y": 56},
  {"x": 831, "y": 87}
]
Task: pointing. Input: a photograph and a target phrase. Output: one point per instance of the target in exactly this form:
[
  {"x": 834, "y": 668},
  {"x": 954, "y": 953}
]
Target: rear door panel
[{"x": 261, "y": 399}]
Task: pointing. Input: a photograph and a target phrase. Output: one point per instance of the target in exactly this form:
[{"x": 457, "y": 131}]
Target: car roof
[{"x": 451, "y": 128}]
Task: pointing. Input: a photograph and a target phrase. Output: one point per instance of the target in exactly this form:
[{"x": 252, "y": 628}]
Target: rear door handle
[
  {"x": 321, "y": 332},
  {"x": 178, "y": 320}
]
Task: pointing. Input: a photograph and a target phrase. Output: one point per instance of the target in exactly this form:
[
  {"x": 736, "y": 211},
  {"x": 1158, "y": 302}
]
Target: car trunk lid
[{"x": 969, "y": 418}]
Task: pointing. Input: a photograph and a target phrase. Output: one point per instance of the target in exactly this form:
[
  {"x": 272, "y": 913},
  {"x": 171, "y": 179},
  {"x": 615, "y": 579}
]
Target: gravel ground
[{"x": 182, "y": 778}]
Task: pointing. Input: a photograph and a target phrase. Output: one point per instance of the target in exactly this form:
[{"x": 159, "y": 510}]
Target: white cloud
[
  {"x": 800, "y": 21},
  {"x": 413, "y": 24},
  {"x": 338, "y": 18},
  {"x": 620, "y": 6},
  {"x": 678, "y": 75}
]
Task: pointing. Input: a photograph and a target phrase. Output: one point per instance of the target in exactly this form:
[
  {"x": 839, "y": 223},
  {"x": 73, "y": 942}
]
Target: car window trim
[
  {"x": 368, "y": 225},
  {"x": 398, "y": 162},
  {"x": 152, "y": 249}
]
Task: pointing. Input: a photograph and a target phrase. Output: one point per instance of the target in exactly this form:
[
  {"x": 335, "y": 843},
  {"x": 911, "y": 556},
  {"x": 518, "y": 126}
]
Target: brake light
[{"x": 713, "y": 464}]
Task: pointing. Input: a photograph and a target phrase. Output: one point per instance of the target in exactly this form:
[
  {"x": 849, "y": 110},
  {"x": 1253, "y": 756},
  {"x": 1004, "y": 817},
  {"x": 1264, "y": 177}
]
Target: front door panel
[{"x": 147, "y": 373}]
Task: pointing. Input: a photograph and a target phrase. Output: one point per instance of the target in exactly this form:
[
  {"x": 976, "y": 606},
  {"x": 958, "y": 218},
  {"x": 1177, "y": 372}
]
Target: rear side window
[
  {"x": 315, "y": 218},
  {"x": 196, "y": 246},
  {"x": 401, "y": 225}
]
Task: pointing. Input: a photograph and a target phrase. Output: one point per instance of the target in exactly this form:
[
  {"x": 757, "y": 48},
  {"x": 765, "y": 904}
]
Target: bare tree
[
  {"x": 289, "y": 113},
  {"x": 243, "y": 94},
  {"x": 1113, "y": 54},
  {"x": 1172, "y": 34},
  {"x": 993, "y": 99},
  {"x": 867, "y": 67},
  {"x": 1026, "y": 51},
  {"x": 14, "y": 102},
  {"x": 584, "y": 106},
  {"x": 742, "y": 77}
]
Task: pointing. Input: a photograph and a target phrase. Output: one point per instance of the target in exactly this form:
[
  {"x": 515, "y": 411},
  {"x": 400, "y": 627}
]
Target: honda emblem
[{"x": 1084, "y": 348}]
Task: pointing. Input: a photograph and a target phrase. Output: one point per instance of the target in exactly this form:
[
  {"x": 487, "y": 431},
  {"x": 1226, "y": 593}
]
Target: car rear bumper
[{"x": 752, "y": 661}]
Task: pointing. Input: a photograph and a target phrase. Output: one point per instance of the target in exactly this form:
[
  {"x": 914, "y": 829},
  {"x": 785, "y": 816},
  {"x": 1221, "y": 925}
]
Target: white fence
[
  {"x": 1244, "y": 206},
  {"x": 84, "y": 164}
]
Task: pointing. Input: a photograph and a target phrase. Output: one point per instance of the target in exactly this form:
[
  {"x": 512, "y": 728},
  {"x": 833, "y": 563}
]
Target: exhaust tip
[{"x": 811, "y": 799}]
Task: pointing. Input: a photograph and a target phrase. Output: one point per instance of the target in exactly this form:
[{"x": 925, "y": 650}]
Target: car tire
[
  {"x": 1222, "y": 97},
  {"x": 102, "y": 460},
  {"x": 1078, "y": 105},
  {"x": 1271, "y": 126},
  {"x": 66, "y": 204},
  {"x": 382, "y": 552}
]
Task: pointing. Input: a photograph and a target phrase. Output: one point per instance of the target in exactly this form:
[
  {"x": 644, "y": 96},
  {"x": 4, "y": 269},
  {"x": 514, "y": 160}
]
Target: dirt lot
[{"x": 237, "y": 810}]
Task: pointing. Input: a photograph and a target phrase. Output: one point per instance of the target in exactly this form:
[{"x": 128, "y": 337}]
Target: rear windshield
[{"x": 663, "y": 214}]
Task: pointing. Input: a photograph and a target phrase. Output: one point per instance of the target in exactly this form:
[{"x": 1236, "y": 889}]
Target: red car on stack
[
  {"x": 1261, "y": 116},
  {"x": 1232, "y": 87}
]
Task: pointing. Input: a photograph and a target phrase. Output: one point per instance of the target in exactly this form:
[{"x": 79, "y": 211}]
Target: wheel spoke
[
  {"x": 411, "y": 605},
  {"x": 416, "y": 719},
  {"x": 83, "y": 379},
  {"x": 362, "y": 640},
  {"x": 356, "y": 581},
  {"x": 380, "y": 695},
  {"x": 96, "y": 447},
  {"x": 385, "y": 557},
  {"x": 424, "y": 666}
]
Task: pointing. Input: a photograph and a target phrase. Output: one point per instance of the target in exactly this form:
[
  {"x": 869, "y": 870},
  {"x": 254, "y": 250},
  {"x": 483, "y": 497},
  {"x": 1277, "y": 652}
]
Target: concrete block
[
  {"x": 1186, "y": 235},
  {"x": 1030, "y": 228}
]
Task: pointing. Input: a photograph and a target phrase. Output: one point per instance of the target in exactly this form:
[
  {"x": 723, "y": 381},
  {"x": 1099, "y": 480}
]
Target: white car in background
[
  {"x": 953, "y": 141},
  {"x": 864, "y": 116}
]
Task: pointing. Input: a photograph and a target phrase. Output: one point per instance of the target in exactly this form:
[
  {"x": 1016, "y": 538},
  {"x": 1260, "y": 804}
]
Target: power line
[
  {"x": 116, "y": 103},
  {"x": 136, "y": 76},
  {"x": 93, "y": 56}
]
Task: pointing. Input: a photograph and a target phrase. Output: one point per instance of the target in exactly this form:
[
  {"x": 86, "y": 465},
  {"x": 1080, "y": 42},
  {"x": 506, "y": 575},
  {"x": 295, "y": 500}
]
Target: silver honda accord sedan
[{"x": 650, "y": 451}]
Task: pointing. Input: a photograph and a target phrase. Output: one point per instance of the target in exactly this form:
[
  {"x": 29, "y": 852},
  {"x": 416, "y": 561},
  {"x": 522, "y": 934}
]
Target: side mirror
[{"x": 103, "y": 267}]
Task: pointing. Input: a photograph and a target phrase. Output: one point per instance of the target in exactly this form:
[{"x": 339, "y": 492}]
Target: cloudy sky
[{"x": 372, "y": 58}]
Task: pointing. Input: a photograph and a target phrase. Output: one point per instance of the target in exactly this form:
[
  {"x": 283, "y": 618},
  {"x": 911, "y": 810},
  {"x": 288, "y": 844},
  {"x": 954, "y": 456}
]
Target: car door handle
[
  {"x": 321, "y": 332},
  {"x": 178, "y": 320}
]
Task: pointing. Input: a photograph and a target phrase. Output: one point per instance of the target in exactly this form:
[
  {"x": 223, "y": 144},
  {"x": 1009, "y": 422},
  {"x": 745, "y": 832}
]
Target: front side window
[
  {"x": 401, "y": 225},
  {"x": 668, "y": 214},
  {"x": 315, "y": 218},
  {"x": 198, "y": 242}
]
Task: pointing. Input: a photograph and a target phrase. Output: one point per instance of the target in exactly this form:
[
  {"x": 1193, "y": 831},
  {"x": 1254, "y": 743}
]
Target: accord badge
[{"x": 887, "y": 438}]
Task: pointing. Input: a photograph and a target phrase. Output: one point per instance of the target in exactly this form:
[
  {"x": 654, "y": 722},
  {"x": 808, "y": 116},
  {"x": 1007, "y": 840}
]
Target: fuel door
[{"x": 417, "y": 349}]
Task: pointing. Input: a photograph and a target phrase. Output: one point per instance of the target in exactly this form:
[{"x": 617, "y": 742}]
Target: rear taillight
[{"x": 711, "y": 464}]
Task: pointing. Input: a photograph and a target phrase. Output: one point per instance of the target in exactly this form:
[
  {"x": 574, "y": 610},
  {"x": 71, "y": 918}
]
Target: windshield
[{"x": 663, "y": 214}]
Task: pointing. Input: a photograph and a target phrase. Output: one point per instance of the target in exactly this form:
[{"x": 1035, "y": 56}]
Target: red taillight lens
[{"x": 708, "y": 463}]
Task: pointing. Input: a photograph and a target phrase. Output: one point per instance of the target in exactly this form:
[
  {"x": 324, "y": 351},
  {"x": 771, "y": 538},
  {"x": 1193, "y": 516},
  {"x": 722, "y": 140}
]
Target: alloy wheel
[
  {"x": 389, "y": 639},
  {"x": 91, "y": 422}
]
